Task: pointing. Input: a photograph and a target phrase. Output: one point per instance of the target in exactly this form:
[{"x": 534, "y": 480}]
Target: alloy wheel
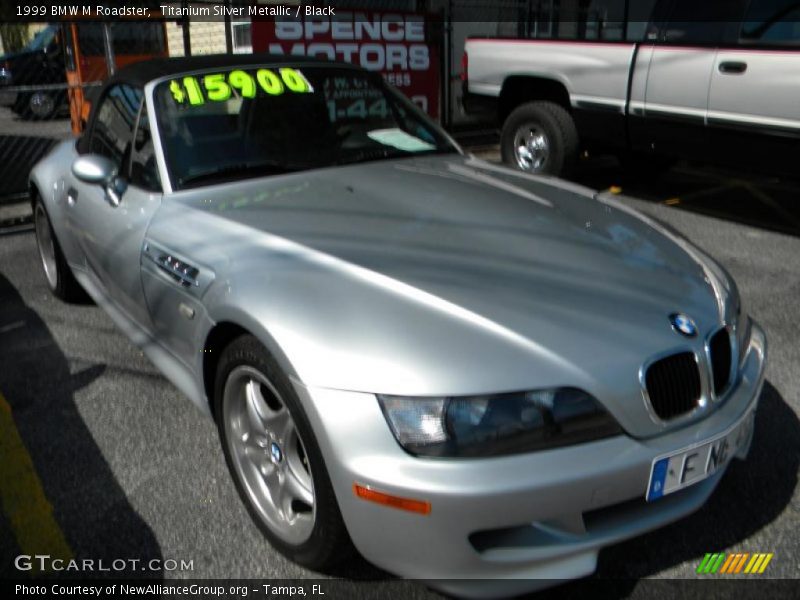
[{"x": 268, "y": 455}]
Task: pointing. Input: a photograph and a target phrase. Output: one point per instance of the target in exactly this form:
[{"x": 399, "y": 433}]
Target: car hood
[{"x": 448, "y": 275}]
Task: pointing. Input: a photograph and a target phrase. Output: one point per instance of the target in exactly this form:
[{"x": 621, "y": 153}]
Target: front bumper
[{"x": 507, "y": 521}]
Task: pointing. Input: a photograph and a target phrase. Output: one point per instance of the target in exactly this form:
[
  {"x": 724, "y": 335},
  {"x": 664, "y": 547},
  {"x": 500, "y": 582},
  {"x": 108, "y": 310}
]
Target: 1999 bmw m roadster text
[{"x": 467, "y": 371}]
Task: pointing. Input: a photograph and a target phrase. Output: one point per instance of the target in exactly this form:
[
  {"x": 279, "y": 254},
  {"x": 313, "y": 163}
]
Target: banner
[{"x": 392, "y": 43}]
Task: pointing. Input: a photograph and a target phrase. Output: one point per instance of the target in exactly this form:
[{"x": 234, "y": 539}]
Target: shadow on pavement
[
  {"x": 88, "y": 504},
  {"x": 752, "y": 494},
  {"x": 751, "y": 198}
]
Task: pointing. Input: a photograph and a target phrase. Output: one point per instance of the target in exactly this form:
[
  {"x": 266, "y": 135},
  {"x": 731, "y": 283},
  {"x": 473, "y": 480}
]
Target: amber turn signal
[{"x": 409, "y": 504}]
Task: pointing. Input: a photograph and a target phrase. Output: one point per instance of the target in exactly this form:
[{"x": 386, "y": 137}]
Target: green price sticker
[
  {"x": 244, "y": 82},
  {"x": 219, "y": 86}
]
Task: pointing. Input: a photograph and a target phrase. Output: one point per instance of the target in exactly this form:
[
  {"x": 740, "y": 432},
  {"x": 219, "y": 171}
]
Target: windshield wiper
[{"x": 236, "y": 170}]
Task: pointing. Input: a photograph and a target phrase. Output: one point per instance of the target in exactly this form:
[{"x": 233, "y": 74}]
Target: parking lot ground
[
  {"x": 132, "y": 470},
  {"x": 22, "y": 498}
]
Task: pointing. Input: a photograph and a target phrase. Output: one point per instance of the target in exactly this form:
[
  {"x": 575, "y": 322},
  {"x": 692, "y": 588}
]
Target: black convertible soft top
[{"x": 142, "y": 72}]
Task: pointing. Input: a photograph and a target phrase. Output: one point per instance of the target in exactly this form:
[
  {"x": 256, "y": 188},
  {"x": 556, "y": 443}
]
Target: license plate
[{"x": 678, "y": 470}]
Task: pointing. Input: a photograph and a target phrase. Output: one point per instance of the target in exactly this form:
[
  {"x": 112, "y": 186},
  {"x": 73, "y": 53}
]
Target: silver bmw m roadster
[{"x": 472, "y": 375}]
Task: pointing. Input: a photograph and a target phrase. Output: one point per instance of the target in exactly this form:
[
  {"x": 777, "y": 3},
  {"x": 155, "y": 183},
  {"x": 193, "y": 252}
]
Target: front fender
[
  {"x": 49, "y": 180},
  {"x": 223, "y": 311}
]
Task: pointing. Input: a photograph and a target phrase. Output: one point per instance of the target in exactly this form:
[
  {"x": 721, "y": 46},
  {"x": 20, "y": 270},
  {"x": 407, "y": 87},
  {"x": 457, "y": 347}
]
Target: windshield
[
  {"x": 232, "y": 124},
  {"x": 42, "y": 39}
]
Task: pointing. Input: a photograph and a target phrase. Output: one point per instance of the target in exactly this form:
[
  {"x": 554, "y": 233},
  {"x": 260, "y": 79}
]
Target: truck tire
[
  {"x": 540, "y": 138},
  {"x": 41, "y": 105}
]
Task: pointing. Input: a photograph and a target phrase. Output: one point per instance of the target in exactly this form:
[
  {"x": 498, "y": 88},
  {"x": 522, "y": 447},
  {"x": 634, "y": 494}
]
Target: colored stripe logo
[{"x": 734, "y": 564}]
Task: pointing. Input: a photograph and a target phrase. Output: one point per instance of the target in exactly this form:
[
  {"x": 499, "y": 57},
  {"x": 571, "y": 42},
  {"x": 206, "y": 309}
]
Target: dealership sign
[{"x": 391, "y": 43}]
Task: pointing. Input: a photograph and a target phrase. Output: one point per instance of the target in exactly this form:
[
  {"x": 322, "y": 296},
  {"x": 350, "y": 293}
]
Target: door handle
[
  {"x": 733, "y": 67},
  {"x": 72, "y": 196}
]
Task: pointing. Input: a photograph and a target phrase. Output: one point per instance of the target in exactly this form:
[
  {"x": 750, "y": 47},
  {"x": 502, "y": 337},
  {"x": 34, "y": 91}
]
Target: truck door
[
  {"x": 678, "y": 79},
  {"x": 754, "y": 106}
]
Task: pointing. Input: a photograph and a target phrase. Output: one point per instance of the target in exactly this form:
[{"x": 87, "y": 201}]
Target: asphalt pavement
[{"x": 133, "y": 471}]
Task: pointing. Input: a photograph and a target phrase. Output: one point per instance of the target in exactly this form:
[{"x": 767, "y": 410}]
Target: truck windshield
[
  {"x": 238, "y": 123},
  {"x": 42, "y": 39}
]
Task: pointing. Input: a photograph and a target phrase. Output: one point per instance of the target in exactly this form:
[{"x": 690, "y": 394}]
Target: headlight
[{"x": 495, "y": 425}]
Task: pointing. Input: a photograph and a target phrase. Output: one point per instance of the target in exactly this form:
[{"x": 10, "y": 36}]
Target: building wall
[{"x": 207, "y": 37}]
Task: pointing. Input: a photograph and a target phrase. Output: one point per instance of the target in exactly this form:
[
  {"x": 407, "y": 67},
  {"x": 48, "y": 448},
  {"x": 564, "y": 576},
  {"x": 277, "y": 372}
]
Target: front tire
[
  {"x": 540, "y": 138},
  {"x": 57, "y": 273},
  {"x": 274, "y": 458}
]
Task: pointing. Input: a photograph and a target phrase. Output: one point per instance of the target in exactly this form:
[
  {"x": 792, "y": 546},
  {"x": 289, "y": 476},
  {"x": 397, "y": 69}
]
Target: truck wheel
[
  {"x": 540, "y": 137},
  {"x": 41, "y": 105}
]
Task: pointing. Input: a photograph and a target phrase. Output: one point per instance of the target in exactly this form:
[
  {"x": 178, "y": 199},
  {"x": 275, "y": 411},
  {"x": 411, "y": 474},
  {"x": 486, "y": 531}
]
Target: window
[
  {"x": 692, "y": 22},
  {"x": 90, "y": 39},
  {"x": 543, "y": 19},
  {"x": 601, "y": 20},
  {"x": 135, "y": 38},
  {"x": 113, "y": 126},
  {"x": 578, "y": 20},
  {"x": 43, "y": 40},
  {"x": 772, "y": 22},
  {"x": 144, "y": 172},
  {"x": 641, "y": 15},
  {"x": 242, "y": 38}
]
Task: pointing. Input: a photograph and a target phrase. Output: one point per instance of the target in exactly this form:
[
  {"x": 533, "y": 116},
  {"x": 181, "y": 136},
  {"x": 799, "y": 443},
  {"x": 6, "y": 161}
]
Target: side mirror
[
  {"x": 96, "y": 169},
  {"x": 93, "y": 168}
]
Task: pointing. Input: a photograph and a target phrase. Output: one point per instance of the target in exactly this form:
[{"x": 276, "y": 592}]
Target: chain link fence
[
  {"x": 48, "y": 72},
  {"x": 19, "y": 146}
]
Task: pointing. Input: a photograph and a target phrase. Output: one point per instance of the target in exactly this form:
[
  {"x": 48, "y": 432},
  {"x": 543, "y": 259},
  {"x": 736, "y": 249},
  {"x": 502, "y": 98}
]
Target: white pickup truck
[{"x": 715, "y": 81}]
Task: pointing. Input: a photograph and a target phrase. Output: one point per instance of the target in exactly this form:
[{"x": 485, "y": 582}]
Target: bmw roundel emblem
[{"x": 683, "y": 324}]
